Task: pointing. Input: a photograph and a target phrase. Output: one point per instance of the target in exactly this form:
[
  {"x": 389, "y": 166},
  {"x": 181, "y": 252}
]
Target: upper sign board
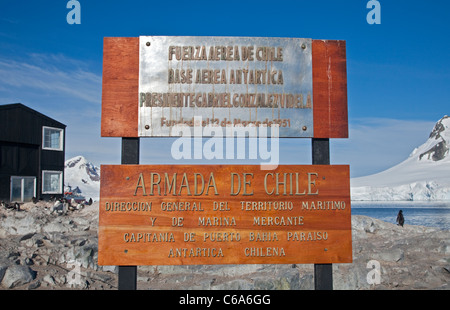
[
  {"x": 157, "y": 86},
  {"x": 225, "y": 81}
]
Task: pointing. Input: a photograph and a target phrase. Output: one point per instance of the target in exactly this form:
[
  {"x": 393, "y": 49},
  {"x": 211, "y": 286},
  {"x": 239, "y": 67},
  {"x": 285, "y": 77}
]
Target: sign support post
[
  {"x": 129, "y": 156},
  {"x": 323, "y": 273}
]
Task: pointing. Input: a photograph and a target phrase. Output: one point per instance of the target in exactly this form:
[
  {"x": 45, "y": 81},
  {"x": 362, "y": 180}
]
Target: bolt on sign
[
  {"x": 152, "y": 85},
  {"x": 224, "y": 214}
]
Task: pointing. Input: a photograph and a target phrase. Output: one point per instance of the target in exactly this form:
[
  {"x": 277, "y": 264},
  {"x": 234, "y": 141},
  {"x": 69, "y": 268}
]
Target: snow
[
  {"x": 78, "y": 172},
  {"x": 423, "y": 176}
]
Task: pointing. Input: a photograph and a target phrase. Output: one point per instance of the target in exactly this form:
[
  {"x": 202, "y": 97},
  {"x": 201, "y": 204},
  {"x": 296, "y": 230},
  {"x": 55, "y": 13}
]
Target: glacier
[{"x": 423, "y": 176}]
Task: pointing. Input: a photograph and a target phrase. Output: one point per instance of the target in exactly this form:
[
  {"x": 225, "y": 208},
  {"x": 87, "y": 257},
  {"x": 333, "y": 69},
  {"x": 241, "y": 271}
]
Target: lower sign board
[{"x": 224, "y": 214}]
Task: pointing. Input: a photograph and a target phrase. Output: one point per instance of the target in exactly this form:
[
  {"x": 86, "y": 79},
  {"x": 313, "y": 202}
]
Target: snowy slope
[
  {"x": 423, "y": 176},
  {"x": 84, "y": 175}
]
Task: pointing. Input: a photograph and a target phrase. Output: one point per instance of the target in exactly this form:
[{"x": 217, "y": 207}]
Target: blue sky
[{"x": 398, "y": 71}]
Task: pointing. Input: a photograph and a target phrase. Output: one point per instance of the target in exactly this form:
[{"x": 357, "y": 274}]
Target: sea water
[{"x": 431, "y": 214}]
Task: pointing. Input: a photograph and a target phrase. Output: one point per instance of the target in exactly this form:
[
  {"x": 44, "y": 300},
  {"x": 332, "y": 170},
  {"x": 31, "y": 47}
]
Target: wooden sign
[
  {"x": 151, "y": 84},
  {"x": 224, "y": 214}
]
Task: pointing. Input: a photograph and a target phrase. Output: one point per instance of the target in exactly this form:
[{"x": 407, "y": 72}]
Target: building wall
[
  {"x": 17, "y": 160},
  {"x": 21, "y": 152}
]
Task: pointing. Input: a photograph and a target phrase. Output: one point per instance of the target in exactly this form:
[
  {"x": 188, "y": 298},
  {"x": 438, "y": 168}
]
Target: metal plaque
[{"x": 218, "y": 82}]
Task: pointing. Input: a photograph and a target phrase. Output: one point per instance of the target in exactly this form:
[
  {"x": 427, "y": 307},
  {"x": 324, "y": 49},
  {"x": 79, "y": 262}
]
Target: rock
[
  {"x": 113, "y": 269},
  {"x": 27, "y": 236},
  {"x": 278, "y": 278},
  {"x": 350, "y": 277},
  {"x": 392, "y": 255},
  {"x": 17, "y": 276},
  {"x": 49, "y": 279},
  {"x": 13, "y": 225},
  {"x": 39, "y": 243},
  {"x": 29, "y": 243},
  {"x": 238, "y": 284},
  {"x": 444, "y": 247},
  {"x": 82, "y": 224},
  {"x": 281, "y": 282},
  {"x": 13, "y": 255},
  {"x": 306, "y": 282},
  {"x": 2, "y": 272},
  {"x": 34, "y": 285},
  {"x": 44, "y": 259},
  {"x": 84, "y": 256},
  {"x": 64, "y": 251},
  {"x": 363, "y": 224},
  {"x": 28, "y": 261},
  {"x": 62, "y": 280}
]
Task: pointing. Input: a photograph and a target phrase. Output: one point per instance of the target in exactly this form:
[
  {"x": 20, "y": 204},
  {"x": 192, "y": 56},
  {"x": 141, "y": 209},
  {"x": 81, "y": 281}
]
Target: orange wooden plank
[
  {"x": 121, "y": 79},
  {"x": 120, "y": 87},
  {"x": 189, "y": 215},
  {"x": 330, "y": 89}
]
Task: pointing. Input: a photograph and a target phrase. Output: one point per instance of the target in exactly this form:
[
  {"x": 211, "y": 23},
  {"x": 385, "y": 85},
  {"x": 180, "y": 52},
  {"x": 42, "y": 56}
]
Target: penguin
[{"x": 400, "y": 218}]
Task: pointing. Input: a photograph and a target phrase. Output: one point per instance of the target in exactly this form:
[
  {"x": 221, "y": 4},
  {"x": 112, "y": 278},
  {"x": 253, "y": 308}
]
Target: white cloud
[{"x": 49, "y": 75}]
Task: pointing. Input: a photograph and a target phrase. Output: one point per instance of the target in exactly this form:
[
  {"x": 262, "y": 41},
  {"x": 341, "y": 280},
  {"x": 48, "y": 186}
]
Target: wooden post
[
  {"x": 130, "y": 156},
  {"x": 323, "y": 273},
  {"x": 127, "y": 278}
]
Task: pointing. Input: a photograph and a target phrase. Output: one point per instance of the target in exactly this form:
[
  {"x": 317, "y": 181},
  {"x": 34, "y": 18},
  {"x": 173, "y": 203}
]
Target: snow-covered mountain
[
  {"x": 78, "y": 172},
  {"x": 423, "y": 176}
]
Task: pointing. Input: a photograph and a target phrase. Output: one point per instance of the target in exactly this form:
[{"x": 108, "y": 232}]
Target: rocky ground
[{"x": 41, "y": 251}]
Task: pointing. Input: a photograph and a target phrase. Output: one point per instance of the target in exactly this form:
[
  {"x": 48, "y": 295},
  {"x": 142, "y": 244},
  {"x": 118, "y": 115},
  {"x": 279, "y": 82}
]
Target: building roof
[{"x": 30, "y": 110}]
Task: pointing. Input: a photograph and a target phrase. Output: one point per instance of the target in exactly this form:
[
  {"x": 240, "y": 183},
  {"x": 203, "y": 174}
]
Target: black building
[{"x": 32, "y": 152}]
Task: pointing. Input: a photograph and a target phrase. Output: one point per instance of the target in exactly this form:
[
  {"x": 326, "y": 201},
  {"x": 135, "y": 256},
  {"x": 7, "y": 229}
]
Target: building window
[
  {"x": 23, "y": 189},
  {"x": 52, "y": 182},
  {"x": 52, "y": 138}
]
